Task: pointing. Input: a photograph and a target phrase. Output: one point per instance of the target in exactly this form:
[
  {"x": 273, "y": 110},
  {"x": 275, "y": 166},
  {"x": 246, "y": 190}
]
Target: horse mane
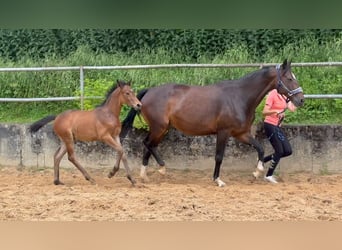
[
  {"x": 247, "y": 78},
  {"x": 111, "y": 90},
  {"x": 263, "y": 70}
]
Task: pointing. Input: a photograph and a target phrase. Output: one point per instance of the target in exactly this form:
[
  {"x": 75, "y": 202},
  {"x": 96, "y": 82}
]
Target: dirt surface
[{"x": 182, "y": 195}]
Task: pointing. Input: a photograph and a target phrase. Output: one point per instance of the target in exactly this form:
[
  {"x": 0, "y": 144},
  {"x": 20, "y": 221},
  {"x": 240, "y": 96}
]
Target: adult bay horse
[
  {"x": 99, "y": 124},
  {"x": 226, "y": 109}
]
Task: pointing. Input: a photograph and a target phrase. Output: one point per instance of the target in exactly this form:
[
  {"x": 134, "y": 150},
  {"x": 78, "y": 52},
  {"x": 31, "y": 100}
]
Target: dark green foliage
[
  {"x": 42, "y": 43},
  {"x": 34, "y": 48}
]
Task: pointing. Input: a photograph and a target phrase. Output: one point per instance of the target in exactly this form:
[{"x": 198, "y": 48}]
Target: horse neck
[
  {"x": 256, "y": 89},
  {"x": 113, "y": 103}
]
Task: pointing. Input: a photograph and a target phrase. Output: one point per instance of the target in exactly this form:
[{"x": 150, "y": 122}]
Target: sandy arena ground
[{"x": 182, "y": 195}]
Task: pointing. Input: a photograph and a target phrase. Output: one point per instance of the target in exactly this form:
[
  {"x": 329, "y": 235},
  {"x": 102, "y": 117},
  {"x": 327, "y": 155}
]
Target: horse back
[
  {"x": 194, "y": 110},
  {"x": 85, "y": 125}
]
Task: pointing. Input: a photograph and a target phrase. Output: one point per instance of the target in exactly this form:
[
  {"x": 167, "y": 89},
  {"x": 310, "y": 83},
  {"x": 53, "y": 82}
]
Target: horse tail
[
  {"x": 127, "y": 123},
  {"x": 38, "y": 124}
]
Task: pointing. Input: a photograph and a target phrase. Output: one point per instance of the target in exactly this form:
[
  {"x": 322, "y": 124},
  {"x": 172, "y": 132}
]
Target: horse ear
[
  {"x": 286, "y": 65},
  {"x": 119, "y": 83}
]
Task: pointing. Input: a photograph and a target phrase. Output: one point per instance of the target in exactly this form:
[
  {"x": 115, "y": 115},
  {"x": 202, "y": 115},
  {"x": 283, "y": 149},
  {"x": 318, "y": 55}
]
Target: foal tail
[
  {"x": 38, "y": 124},
  {"x": 127, "y": 123}
]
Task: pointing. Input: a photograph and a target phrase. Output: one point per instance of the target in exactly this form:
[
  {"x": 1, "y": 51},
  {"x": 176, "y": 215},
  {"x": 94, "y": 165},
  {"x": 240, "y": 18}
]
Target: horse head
[
  {"x": 127, "y": 95},
  {"x": 288, "y": 85}
]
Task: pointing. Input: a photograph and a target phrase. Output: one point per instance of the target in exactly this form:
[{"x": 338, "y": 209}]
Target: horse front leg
[
  {"x": 116, "y": 145},
  {"x": 221, "y": 142},
  {"x": 116, "y": 166}
]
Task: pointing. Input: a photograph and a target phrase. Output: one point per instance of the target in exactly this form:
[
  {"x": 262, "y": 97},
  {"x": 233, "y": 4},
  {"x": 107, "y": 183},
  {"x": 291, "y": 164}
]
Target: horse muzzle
[
  {"x": 298, "y": 101},
  {"x": 137, "y": 107}
]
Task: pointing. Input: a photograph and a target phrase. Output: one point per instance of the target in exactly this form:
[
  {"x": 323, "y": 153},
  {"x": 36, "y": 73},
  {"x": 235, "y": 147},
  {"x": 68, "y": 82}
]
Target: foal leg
[
  {"x": 118, "y": 159},
  {"x": 115, "y": 143},
  {"x": 221, "y": 141},
  {"x": 72, "y": 158},
  {"x": 57, "y": 160}
]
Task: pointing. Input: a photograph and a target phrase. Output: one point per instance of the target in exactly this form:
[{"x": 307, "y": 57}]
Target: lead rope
[{"x": 287, "y": 100}]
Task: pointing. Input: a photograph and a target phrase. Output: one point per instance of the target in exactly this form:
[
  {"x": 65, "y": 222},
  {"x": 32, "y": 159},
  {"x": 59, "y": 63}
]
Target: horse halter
[{"x": 281, "y": 84}]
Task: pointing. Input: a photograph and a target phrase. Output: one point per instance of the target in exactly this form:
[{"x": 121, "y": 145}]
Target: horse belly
[
  {"x": 195, "y": 116},
  {"x": 85, "y": 133},
  {"x": 190, "y": 125}
]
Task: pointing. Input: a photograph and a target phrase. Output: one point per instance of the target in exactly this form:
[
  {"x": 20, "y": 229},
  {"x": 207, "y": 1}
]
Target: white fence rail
[{"x": 82, "y": 69}]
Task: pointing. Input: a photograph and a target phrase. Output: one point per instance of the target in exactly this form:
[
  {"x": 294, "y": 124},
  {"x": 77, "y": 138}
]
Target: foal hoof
[
  {"x": 113, "y": 172},
  {"x": 58, "y": 182},
  {"x": 131, "y": 180},
  {"x": 91, "y": 180}
]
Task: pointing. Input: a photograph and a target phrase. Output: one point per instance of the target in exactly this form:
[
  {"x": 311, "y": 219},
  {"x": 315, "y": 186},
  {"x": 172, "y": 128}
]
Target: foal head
[
  {"x": 287, "y": 84},
  {"x": 127, "y": 95}
]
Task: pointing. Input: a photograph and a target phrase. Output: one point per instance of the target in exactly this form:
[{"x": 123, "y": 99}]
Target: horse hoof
[
  {"x": 220, "y": 183},
  {"x": 144, "y": 179},
  {"x": 91, "y": 180},
  {"x": 256, "y": 174},
  {"x": 131, "y": 180},
  {"x": 58, "y": 182},
  {"x": 110, "y": 175},
  {"x": 162, "y": 170},
  {"x": 260, "y": 166}
]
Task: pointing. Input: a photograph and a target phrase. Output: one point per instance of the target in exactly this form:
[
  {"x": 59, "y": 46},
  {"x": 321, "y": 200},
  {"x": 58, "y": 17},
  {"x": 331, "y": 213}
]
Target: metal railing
[{"x": 82, "y": 69}]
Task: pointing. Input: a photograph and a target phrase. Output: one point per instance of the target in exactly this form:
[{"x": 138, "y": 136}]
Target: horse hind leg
[
  {"x": 151, "y": 143},
  {"x": 146, "y": 156},
  {"x": 249, "y": 139},
  {"x": 260, "y": 165},
  {"x": 73, "y": 160},
  {"x": 57, "y": 160},
  {"x": 221, "y": 141}
]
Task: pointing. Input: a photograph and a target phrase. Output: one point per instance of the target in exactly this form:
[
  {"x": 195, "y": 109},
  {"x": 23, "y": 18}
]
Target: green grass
[
  {"x": 28, "y": 112},
  {"x": 314, "y": 80}
]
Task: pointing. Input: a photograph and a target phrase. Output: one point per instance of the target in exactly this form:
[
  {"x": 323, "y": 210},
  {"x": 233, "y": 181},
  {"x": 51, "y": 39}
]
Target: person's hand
[{"x": 281, "y": 115}]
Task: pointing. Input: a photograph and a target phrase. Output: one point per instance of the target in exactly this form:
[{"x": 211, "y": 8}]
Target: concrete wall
[{"x": 317, "y": 149}]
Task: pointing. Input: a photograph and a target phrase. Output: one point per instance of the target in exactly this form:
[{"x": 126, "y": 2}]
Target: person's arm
[
  {"x": 269, "y": 111},
  {"x": 291, "y": 106}
]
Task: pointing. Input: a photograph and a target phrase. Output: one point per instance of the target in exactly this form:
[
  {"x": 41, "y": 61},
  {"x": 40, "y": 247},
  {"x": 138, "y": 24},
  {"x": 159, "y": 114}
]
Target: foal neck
[{"x": 113, "y": 103}]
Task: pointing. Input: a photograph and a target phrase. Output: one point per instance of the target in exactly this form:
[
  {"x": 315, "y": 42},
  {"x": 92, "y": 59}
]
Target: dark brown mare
[
  {"x": 226, "y": 109},
  {"x": 100, "y": 124}
]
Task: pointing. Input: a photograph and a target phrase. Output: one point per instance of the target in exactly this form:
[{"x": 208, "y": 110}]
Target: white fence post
[{"x": 82, "y": 86}]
